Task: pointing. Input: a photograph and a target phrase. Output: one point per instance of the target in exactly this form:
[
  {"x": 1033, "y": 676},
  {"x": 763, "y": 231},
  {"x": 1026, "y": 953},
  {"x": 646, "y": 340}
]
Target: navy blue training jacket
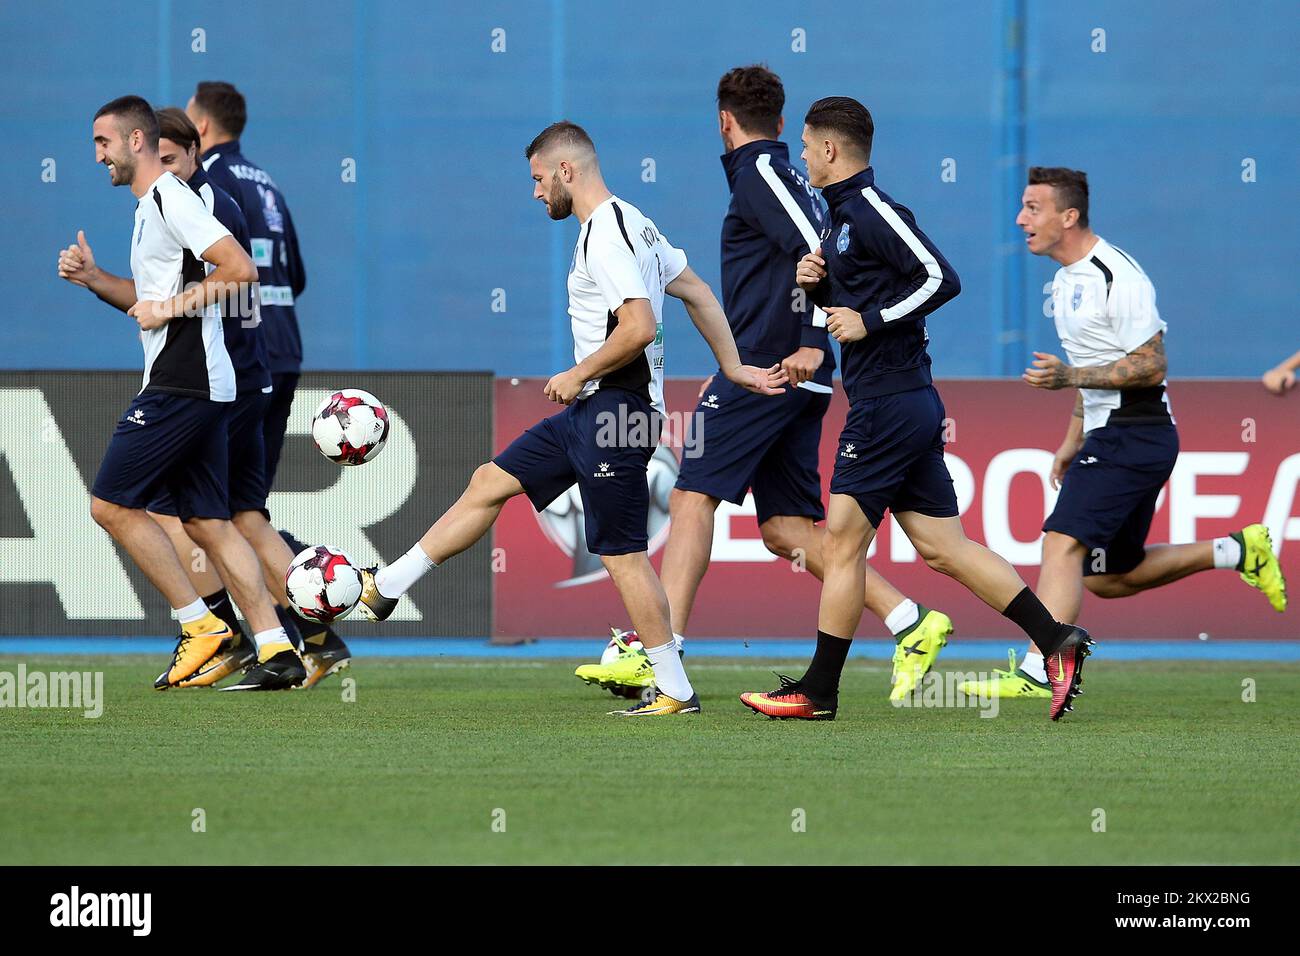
[
  {"x": 881, "y": 265},
  {"x": 275, "y": 249},
  {"x": 773, "y": 222},
  {"x": 244, "y": 337}
]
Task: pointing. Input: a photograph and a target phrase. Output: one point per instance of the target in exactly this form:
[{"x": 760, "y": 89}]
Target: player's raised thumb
[{"x": 81, "y": 241}]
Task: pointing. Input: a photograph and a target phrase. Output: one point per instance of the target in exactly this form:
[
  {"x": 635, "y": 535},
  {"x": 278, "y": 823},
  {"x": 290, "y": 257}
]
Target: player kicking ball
[
  {"x": 1121, "y": 445},
  {"x": 603, "y": 440},
  {"x": 748, "y": 442},
  {"x": 877, "y": 276}
]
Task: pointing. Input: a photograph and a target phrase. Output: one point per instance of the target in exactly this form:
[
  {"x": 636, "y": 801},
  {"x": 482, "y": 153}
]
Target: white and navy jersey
[
  {"x": 173, "y": 229},
  {"x": 1105, "y": 307},
  {"x": 620, "y": 255}
]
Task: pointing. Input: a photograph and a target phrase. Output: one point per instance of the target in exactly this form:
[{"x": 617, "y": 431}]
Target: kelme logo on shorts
[
  {"x": 848, "y": 451},
  {"x": 604, "y": 471}
]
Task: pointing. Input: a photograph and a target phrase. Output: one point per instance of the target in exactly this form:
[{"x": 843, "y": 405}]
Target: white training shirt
[
  {"x": 620, "y": 255},
  {"x": 1105, "y": 307},
  {"x": 173, "y": 229}
]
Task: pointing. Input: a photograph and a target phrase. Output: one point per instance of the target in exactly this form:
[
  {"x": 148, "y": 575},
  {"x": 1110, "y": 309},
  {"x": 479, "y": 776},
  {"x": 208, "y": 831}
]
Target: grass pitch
[{"x": 432, "y": 752}]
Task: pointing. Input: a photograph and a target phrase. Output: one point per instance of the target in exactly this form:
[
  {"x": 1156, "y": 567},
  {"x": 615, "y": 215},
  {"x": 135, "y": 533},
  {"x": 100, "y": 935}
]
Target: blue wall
[{"x": 402, "y": 263}]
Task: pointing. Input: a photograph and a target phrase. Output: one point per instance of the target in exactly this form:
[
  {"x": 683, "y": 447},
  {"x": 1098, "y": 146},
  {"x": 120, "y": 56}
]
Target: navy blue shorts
[
  {"x": 890, "y": 456},
  {"x": 584, "y": 444},
  {"x": 738, "y": 441},
  {"x": 1109, "y": 492},
  {"x": 246, "y": 452},
  {"x": 172, "y": 442}
]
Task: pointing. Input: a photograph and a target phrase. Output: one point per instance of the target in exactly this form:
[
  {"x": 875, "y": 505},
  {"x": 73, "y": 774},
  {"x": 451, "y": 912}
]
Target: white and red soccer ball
[
  {"x": 612, "y": 649},
  {"x": 350, "y": 426},
  {"x": 323, "y": 584}
]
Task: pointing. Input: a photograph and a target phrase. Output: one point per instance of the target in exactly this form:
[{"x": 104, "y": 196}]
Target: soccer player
[
  {"x": 877, "y": 275},
  {"x": 1281, "y": 378},
  {"x": 752, "y": 441},
  {"x": 173, "y": 435},
  {"x": 220, "y": 113},
  {"x": 1121, "y": 444},
  {"x": 622, "y": 267},
  {"x": 178, "y": 151}
]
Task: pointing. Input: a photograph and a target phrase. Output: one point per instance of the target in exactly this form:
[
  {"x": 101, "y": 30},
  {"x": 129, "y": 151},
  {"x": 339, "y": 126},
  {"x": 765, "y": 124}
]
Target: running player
[
  {"x": 173, "y": 435},
  {"x": 242, "y": 332},
  {"x": 750, "y": 441},
  {"x": 622, "y": 266},
  {"x": 1121, "y": 445},
  {"x": 220, "y": 113},
  {"x": 877, "y": 276}
]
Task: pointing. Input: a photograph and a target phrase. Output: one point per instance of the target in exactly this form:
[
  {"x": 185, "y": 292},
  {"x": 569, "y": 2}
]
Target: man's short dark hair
[
  {"x": 1069, "y": 185},
  {"x": 755, "y": 96},
  {"x": 224, "y": 105},
  {"x": 847, "y": 118},
  {"x": 563, "y": 133},
  {"x": 133, "y": 112},
  {"x": 174, "y": 125}
]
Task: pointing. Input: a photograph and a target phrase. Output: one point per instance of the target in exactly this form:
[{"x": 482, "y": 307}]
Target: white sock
[
  {"x": 902, "y": 617},
  {"x": 396, "y": 579},
  {"x": 271, "y": 638},
  {"x": 1033, "y": 666},
  {"x": 1227, "y": 553},
  {"x": 679, "y": 640},
  {"x": 670, "y": 676},
  {"x": 191, "y": 612}
]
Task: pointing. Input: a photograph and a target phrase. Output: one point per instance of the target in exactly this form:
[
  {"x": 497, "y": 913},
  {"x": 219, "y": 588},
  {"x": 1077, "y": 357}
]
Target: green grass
[{"x": 412, "y": 771}]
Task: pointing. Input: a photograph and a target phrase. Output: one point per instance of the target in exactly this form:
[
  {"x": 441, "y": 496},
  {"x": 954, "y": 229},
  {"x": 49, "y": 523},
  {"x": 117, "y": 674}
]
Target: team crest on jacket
[
  {"x": 1076, "y": 298},
  {"x": 842, "y": 242}
]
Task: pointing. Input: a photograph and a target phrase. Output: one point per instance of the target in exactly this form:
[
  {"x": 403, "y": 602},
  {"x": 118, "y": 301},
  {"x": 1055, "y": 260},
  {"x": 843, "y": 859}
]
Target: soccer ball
[
  {"x": 612, "y": 650},
  {"x": 350, "y": 426},
  {"x": 323, "y": 584}
]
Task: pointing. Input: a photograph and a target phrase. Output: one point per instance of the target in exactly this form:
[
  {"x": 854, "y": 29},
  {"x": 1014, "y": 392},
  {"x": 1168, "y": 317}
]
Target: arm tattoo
[{"x": 1143, "y": 367}]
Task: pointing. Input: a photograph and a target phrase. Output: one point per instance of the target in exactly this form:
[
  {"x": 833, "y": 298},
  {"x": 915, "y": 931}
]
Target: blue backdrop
[{"x": 404, "y": 264}]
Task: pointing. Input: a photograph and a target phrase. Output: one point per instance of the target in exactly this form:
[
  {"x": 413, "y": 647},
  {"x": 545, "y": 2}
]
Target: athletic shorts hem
[
  {"x": 623, "y": 549},
  {"x": 734, "y": 499},
  {"x": 539, "y": 507}
]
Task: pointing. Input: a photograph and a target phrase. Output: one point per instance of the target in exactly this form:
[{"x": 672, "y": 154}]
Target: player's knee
[
  {"x": 683, "y": 504},
  {"x": 1061, "y": 547},
  {"x": 781, "y": 536},
  {"x": 937, "y": 560},
  {"x": 205, "y": 531},
  {"x": 486, "y": 484},
  {"x": 249, "y": 523},
  {"x": 1108, "y": 585},
  {"x": 105, "y": 513}
]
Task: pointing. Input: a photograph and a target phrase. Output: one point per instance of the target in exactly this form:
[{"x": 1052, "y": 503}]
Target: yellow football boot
[
  {"x": 1259, "y": 565},
  {"x": 916, "y": 651},
  {"x": 199, "y": 640}
]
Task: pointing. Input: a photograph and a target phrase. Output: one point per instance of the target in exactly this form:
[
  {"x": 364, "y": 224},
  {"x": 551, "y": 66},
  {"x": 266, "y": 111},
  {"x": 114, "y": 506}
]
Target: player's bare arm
[
  {"x": 77, "y": 265},
  {"x": 631, "y": 336},
  {"x": 703, "y": 308},
  {"x": 1281, "y": 379},
  {"x": 1071, "y": 445},
  {"x": 1145, "y": 366},
  {"x": 233, "y": 267}
]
